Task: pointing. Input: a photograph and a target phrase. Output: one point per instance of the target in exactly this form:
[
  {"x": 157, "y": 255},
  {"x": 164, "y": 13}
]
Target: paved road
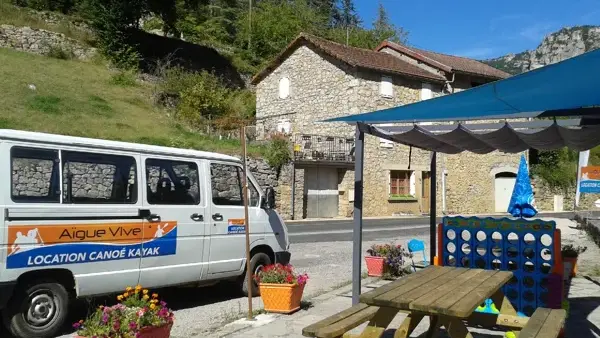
[{"x": 341, "y": 230}]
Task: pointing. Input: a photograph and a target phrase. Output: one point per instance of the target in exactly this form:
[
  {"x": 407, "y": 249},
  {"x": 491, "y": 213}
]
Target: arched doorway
[{"x": 504, "y": 182}]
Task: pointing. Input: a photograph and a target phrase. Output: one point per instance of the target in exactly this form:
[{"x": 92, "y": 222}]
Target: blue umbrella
[{"x": 521, "y": 201}]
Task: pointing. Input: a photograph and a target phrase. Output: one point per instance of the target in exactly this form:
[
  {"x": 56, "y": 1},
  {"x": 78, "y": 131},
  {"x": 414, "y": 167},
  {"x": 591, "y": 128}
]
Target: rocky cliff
[{"x": 558, "y": 46}]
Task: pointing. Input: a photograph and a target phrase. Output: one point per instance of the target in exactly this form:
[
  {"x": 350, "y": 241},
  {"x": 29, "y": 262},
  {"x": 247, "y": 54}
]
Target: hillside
[
  {"x": 87, "y": 99},
  {"x": 555, "y": 47}
]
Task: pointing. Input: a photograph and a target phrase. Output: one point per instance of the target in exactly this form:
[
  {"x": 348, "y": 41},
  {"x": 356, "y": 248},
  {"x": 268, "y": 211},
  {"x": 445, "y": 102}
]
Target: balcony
[{"x": 323, "y": 149}]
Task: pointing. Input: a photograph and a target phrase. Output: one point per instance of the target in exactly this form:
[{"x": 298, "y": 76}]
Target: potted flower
[
  {"x": 395, "y": 262},
  {"x": 376, "y": 259},
  {"x": 138, "y": 314},
  {"x": 569, "y": 255},
  {"x": 280, "y": 288}
]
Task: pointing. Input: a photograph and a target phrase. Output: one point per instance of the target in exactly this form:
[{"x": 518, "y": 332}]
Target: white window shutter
[
  {"x": 284, "y": 88},
  {"x": 426, "y": 93},
  {"x": 384, "y": 143},
  {"x": 413, "y": 187},
  {"x": 386, "y": 88},
  {"x": 284, "y": 126}
]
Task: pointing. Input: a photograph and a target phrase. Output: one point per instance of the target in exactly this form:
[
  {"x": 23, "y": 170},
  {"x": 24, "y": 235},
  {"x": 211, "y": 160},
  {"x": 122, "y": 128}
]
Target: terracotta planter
[
  {"x": 151, "y": 332},
  {"x": 375, "y": 266},
  {"x": 572, "y": 262},
  {"x": 281, "y": 298}
]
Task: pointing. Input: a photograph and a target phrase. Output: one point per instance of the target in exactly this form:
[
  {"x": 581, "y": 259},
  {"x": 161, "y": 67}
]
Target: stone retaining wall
[{"x": 40, "y": 41}]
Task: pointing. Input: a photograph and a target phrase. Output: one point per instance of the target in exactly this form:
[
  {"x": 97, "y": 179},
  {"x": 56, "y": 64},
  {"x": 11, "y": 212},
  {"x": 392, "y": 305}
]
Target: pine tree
[
  {"x": 383, "y": 29},
  {"x": 345, "y": 15}
]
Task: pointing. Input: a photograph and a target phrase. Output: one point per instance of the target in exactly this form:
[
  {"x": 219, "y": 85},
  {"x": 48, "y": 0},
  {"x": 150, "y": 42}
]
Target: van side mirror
[{"x": 270, "y": 198}]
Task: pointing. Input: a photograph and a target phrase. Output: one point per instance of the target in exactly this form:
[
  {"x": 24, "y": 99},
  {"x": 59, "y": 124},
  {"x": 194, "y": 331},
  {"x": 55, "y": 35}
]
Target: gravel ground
[{"x": 201, "y": 310}]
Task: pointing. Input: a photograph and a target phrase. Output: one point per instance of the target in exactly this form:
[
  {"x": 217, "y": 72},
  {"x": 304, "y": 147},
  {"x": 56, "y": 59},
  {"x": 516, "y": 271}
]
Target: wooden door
[{"x": 425, "y": 191}]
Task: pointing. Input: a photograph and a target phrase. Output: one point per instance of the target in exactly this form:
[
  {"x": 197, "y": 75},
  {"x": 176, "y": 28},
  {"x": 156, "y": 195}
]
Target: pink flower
[
  {"x": 76, "y": 326},
  {"x": 132, "y": 326},
  {"x": 141, "y": 312}
]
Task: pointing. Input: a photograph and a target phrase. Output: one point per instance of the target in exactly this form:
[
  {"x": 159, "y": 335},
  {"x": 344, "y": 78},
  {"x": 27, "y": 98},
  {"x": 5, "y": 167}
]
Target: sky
[{"x": 481, "y": 29}]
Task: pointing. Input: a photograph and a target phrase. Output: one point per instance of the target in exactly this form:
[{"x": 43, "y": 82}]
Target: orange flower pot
[
  {"x": 281, "y": 298},
  {"x": 573, "y": 262},
  {"x": 375, "y": 266},
  {"x": 151, "y": 332}
]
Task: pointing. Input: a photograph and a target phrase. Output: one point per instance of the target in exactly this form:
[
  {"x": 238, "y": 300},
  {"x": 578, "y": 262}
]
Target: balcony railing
[{"x": 323, "y": 148}]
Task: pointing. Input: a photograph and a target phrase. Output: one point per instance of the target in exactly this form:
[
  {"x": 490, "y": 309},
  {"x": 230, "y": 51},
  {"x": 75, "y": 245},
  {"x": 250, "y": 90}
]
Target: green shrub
[
  {"x": 60, "y": 52},
  {"x": 205, "y": 100},
  {"x": 124, "y": 78},
  {"x": 278, "y": 151}
]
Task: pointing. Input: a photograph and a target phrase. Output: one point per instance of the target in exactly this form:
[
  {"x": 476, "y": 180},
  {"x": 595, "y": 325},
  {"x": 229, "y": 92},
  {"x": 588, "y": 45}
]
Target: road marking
[{"x": 312, "y": 233}]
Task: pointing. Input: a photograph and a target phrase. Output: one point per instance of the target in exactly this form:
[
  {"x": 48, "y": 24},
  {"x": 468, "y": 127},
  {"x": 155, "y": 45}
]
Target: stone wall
[
  {"x": 544, "y": 198},
  {"x": 40, "y": 41}
]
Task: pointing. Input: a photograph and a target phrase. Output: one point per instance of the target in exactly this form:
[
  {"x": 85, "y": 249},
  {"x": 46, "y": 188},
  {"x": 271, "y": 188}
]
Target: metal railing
[{"x": 323, "y": 148}]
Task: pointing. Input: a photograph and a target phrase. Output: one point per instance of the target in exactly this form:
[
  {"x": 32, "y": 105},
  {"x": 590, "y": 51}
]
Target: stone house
[{"x": 314, "y": 79}]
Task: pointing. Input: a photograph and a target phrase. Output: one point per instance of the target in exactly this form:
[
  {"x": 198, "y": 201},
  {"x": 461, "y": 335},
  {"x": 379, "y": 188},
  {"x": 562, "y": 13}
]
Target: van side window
[
  {"x": 35, "y": 175},
  {"x": 172, "y": 182},
  {"x": 98, "y": 178},
  {"x": 226, "y": 181}
]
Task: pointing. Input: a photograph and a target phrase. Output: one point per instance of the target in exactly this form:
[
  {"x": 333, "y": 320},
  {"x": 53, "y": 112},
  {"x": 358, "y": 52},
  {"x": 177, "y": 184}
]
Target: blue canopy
[{"x": 570, "y": 84}]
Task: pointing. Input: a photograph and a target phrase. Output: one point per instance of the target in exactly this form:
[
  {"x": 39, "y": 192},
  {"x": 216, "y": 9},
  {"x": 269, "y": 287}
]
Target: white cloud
[
  {"x": 502, "y": 21},
  {"x": 476, "y": 52},
  {"x": 536, "y": 32}
]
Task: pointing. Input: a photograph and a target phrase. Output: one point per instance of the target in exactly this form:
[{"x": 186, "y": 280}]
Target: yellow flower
[
  {"x": 126, "y": 294},
  {"x": 138, "y": 287},
  {"x": 120, "y": 297},
  {"x": 128, "y": 288},
  {"x": 155, "y": 295},
  {"x": 145, "y": 292},
  {"x": 154, "y": 301},
  {"x": 152, "y": 306},
  {"x": 145, "y": 297}
]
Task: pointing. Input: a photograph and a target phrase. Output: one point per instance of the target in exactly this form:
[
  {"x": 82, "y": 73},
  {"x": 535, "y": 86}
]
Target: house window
[
  {"x": 386, "y": 87},
  {"x": 402, "y": 183},
  {"x": 426, "y": 91},
  {"x": 385, "y": 143},
  {"x": 284, "y": 88},
  {"x": 284, "y": 126},
  {"x": 426, "y": 94}
]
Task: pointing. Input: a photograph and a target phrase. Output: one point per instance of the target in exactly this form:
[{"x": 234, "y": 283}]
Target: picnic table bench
[{"x": 447, "y": 295}]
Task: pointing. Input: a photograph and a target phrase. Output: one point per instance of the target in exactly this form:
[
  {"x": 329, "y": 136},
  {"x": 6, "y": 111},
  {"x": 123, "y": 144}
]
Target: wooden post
[{"x": 246, "y": 221}]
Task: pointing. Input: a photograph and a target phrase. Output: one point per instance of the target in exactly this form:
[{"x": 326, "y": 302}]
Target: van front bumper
[
  {"x": 283, "y": 257},
  {"x": 6, "y": 291}
]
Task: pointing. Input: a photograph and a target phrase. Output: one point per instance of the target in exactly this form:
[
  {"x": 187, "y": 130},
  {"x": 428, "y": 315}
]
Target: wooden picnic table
[{"x": 447, "y": 295}]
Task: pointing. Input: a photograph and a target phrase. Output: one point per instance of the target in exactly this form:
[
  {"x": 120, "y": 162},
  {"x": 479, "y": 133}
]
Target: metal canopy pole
[
  {"x": 246, "y": 220},
  {"x": 359, "y": 152},
  {"x": 432, "y": 208}
]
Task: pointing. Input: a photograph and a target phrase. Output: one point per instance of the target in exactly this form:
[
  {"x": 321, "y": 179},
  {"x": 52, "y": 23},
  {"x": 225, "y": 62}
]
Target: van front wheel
[
  {"x": 38, "y": 310},
  {"x": 257, "y": 262}
]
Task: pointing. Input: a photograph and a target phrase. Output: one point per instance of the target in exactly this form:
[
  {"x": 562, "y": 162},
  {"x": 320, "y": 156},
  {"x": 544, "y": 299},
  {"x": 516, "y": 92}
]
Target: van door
[
  {"x": 174, "y": 236},
  {"x": 228, "y": 233}
]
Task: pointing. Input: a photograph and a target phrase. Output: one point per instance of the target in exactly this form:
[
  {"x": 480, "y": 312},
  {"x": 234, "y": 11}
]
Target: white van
[{"x": 85, "y": 217}]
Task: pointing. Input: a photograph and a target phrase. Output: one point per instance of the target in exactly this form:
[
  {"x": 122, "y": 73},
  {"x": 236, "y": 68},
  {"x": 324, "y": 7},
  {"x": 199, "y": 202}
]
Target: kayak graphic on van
[{"x": 35, "y": 246}]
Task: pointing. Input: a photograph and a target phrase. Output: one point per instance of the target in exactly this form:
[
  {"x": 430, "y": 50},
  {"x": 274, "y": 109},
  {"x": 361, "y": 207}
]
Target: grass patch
[
  {"x": 48, "y": 104},
  {"x": 77, "y": 98},
  {"x": 23, "y": 17},
  {"x": 123, "y": 78}
]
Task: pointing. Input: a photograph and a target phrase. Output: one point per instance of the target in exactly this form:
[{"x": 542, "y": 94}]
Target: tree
[
  {"x": 275, "y": 24},
  {"x": 383, "y": 29},
  {"x": 345, "y": 15}
]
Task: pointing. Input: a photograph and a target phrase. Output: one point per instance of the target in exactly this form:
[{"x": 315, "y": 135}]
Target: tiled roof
[
  {"x": 355, "y": 57},
  {"x": 445, "y": 62}
]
